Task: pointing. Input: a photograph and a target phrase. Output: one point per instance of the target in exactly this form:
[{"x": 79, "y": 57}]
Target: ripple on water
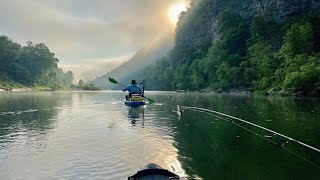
[
  {"x": 88, "y": 137},
  {"x": 17, "y": 112}
]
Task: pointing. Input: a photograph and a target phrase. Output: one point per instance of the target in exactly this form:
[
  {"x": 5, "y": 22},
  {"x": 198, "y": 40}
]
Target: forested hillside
[
  {"x": 132, "y": 68},
  {"x": 230, "y": 44},
  {"x": 31, "y": 65}
]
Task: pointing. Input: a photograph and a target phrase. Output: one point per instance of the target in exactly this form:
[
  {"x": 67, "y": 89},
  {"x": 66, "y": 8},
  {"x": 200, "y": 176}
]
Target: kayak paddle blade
[
  {"x": 151, "y": 101},
  {"x": 113, "y": 80}
]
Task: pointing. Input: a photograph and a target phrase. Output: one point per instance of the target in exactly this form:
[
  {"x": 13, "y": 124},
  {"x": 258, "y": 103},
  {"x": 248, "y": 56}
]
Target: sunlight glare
[{"x": 175, "y": 11}]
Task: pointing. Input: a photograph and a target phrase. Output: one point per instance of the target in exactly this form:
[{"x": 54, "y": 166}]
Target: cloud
[{"x": 86, "y": 31}]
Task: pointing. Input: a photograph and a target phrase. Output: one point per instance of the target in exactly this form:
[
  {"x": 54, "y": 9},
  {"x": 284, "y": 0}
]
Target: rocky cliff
[
  {"x": 277, "y": 10},
  {"x": 200, "y": 23}
]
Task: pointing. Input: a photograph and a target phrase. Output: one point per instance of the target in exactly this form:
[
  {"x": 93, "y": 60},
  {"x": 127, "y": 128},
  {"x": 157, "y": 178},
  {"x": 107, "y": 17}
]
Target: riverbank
[
  {"x": 24, "y": 89},
  {"x": 8, "y": 86},
  {"x": 16, "y": 90},
  {"x": 11, "y": 86},
  {"x": 56, "y": 123},
  {"x": 271, "y": 92},
  {"x": 20, "y": 88}
]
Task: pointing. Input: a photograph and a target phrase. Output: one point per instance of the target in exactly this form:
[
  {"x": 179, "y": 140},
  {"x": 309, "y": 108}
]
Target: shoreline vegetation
[
  {"x": 11, "y": 86},
  {"x": 258, "y": 53},
  {"x": 21, "y": 88},
  {"x": 33, "y": 67},
  {"x": 43, "y": 89},
  {"x": 272, "y": 92},
  {"x": 18, "y": 88}
]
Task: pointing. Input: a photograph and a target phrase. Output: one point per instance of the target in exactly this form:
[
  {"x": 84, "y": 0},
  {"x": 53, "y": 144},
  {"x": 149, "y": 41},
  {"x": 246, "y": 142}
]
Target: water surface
[{"x": 91, "y": 135}]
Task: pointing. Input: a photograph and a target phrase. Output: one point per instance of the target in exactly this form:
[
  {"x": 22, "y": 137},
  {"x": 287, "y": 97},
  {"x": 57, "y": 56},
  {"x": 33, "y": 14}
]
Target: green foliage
[
  {"x": 263, "y": 64},
  {"x": 88, "y": 87},
  {"x": 298, "y": 40},
  {"x": 31, "y": 65},
  {"x": 189, "y": 29},
  {"x": 235, "y": 33},
  {"x": 254, "y": 53},
  {"x": 8, "y": 84},
  {"x": 270, "y": 32},
  {"x": 9, "y": 53},
  {"x": 81, "y": 82},
  {"x": 305, "y": 80}
]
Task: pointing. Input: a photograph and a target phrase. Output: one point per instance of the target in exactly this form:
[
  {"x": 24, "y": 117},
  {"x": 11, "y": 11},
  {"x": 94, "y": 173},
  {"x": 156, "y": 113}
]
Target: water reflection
[
  {"x": 91, "y": 135},
  {"x": 26, "y": 123},
  {"x": 135, "y": 114},
  {"x": 85, "y": 136},
  {"x": 215, "y": 149},
  {"x": 27, "y": 113}
]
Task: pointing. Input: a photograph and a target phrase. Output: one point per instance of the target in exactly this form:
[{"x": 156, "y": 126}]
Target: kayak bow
[
  {"x": 153, "y": 171},
  {"x": 134, "y": 103}
]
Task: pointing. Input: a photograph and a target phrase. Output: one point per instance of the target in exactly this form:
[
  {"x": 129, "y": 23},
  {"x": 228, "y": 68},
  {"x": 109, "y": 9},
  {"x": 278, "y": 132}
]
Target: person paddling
[{"x": 132, "y": 88}]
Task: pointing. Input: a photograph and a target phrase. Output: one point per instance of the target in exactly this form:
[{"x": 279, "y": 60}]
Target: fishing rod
[
  {"x": 213, "y": 113},
  {"x": 250, "y": 123},
  {"x": 261, "y": 136}
]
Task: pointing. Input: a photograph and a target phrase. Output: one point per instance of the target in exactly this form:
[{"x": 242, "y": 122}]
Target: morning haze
[
  {"x": 159, "y": 89},
  {"x": 86, "y": 34}
]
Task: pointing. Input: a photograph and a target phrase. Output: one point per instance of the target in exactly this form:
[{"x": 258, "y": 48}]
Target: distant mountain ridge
[{"x": 132, "y": 68}]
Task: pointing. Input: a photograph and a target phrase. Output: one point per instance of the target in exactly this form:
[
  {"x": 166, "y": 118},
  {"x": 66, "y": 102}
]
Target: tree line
[
  {"x": 255, "y": 54},
  {"x": 31, "y": 65}
]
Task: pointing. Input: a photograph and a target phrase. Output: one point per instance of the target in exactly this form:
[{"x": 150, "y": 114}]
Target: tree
[
  {"x": 69, "y": 78},
  {"x": 81, "y": 82},
  {"x": 36, "y": 65},
  {"x": 263, "y": 63},
  {"x": 9, "y": 53},
  {"x": 298, "y": 40}
]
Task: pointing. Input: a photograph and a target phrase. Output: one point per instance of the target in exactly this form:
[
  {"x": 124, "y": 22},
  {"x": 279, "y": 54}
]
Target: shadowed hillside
[
  {"x": 132, "y": 68},
  {"x": 226, "y": 45}
]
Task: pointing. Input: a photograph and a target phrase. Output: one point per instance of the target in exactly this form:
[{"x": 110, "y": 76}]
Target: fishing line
[
  {"x": 207, "y": 111},
  {"x": 263, "y": 137},
  {"x": 226, "y": 115}
]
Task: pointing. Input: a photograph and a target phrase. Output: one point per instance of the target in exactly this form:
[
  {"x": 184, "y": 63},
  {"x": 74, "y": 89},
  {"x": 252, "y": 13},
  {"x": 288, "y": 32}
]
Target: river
[{"x": 92, "y": 135}]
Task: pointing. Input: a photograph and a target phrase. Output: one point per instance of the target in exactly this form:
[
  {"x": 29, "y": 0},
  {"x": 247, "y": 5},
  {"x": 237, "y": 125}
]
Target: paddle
[
  {"x": 151, "y": 101},
  {"x": 116, "y": 82}
]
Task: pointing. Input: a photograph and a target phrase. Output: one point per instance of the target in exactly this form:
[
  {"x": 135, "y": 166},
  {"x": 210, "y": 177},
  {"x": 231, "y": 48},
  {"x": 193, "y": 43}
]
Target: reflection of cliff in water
[
  {"x": 215, "y": 149},
  {"x": 28, "y": 115},
  {"x": 136, "y": 114}
]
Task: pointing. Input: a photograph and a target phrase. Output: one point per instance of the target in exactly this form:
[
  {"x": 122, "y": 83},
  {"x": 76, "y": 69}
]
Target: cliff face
[
  {"x": 277, "y": 10},
  {"x": 200, "y": 23}
]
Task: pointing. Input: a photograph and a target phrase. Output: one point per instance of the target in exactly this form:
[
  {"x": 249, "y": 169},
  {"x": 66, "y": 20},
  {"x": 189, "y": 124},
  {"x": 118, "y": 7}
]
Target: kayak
[
  {"x": 134, "y": 100},
  {"x": 153, "y": 171},
  {"x": 134, "y": 103}
]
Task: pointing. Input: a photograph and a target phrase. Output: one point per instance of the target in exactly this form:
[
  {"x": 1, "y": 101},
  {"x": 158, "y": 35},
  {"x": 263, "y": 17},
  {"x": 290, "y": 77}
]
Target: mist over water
[
  {"x": 88, "y": 71},
  {"x": 92, "y": 135}
]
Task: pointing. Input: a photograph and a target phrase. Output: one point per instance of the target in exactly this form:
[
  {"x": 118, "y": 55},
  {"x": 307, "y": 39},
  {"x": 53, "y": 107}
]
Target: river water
[{"x": 92, "y": 135}]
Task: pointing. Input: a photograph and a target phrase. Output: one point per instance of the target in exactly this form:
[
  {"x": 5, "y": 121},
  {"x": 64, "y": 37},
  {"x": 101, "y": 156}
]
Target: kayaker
[{"x": 133, "y": 88}]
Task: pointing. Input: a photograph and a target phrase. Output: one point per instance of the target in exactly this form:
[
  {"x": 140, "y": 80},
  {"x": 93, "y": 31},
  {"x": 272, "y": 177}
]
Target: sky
[{"x": 88, "y": 32}]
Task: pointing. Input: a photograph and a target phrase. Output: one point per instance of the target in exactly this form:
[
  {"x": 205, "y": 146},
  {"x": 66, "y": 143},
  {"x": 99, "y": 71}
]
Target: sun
[{"x": 175, "y": 11}]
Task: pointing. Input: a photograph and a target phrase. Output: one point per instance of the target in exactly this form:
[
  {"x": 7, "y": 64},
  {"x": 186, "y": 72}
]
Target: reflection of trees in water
[
  {"x": 136, "y": 113},
  {"x": 29, "y": 114},
  {"x": 212, "y": 148}
]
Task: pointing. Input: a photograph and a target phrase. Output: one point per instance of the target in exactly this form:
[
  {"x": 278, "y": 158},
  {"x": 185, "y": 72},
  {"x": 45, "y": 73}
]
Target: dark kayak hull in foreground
[
  {"x": 152, "y": 172},
  {"x": 134, "y": 103}
]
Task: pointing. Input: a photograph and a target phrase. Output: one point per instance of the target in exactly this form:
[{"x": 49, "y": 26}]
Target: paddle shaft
[
  {"x": 116, "y": 82},
  {"x": 121, "y": 85}
]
